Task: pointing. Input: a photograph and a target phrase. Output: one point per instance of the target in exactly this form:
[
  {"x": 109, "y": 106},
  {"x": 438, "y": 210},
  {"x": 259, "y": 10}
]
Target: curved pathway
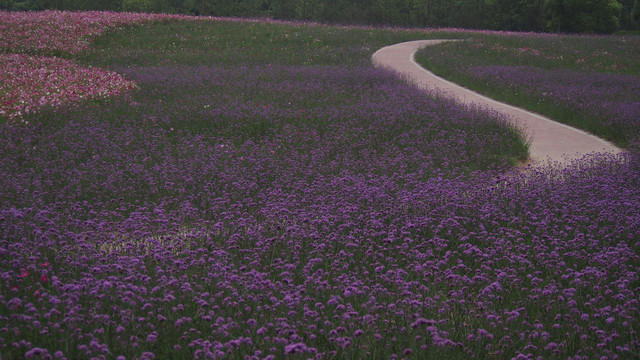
[{"x": 550, "y": 141}]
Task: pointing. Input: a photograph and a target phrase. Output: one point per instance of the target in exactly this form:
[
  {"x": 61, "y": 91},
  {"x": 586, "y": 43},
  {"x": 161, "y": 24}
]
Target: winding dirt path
[{"x": 550, "y": 141}]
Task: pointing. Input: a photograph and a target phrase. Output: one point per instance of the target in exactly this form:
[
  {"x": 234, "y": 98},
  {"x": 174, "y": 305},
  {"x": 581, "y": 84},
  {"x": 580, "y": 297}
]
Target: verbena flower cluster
[{"x": 272, "y": 211}]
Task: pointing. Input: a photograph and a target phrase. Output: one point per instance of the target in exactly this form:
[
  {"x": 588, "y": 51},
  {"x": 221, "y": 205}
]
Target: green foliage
[
  {"x": 136, "y": 5},
  {"x": 6, "y": 4},
  {"x": 515, "y": 15},
  {"x": 282, "y": 9},
  {"x": 583, "y": 16},
  {"x": 636, "y": 10},
  {"x": 28, "y": 5},
  {"x": 112, "y": 5}
]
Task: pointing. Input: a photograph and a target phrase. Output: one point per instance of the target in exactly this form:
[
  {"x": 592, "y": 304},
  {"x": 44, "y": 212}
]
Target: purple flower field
[
  {"x": 590, "y": 82},
  {"x": 268, "y": 211},
  {"x": 614, "y": 98}
]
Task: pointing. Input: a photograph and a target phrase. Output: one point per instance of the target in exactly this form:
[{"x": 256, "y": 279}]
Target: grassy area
[
  {"x": 590, "y": 82},
  {"x": 202, "y": 42},
  {"x": 268, "y": 199}
]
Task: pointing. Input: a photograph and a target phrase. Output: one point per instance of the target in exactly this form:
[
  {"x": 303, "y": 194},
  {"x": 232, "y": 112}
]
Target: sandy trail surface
[{"x": 550, "y": 141}]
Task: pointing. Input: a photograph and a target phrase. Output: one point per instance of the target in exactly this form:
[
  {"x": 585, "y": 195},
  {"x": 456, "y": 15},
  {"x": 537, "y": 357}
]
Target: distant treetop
[{"x": 570, "y": 16}]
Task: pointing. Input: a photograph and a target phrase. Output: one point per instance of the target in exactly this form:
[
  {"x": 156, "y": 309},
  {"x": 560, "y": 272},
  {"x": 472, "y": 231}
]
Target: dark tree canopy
[
  {"x": 601, "y": 16},
  {"x": 590, "y": 16}
]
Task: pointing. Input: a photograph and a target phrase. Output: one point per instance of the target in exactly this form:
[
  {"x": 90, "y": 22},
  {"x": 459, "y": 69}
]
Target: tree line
[{"x": 569, "y": 16}]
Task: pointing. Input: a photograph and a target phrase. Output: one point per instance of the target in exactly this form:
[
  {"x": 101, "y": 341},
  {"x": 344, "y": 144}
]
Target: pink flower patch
[
  {"x": 28, "y": 83},
  {"x": 64, "y": 31}
]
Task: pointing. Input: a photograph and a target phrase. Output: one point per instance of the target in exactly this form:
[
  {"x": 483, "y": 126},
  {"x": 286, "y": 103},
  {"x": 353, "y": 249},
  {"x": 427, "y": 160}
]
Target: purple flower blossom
[
  {"x": 36, "y": 352},
  {"x": 295, "y": 348},
  {"x": 422, "y": 321},
  {"x": 151, "y": 338}
]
